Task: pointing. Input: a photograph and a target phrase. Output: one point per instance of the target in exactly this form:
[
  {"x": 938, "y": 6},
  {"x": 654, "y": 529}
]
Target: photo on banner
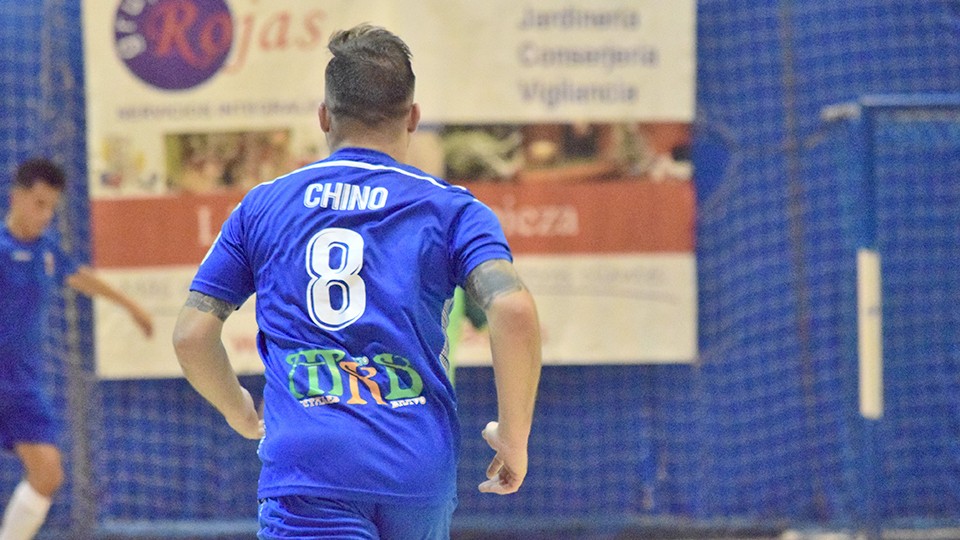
[
  {"x": 596, "y": 214},
  {"x": 571, "y": 120}
]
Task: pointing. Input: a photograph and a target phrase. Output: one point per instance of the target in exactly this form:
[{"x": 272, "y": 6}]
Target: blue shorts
[
  {"x": 299, "y": 517},
  {"x": 26, "y": 418}
]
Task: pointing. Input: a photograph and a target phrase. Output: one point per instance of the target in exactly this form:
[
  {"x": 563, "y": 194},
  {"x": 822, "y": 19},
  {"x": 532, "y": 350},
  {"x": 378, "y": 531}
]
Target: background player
[
  {"x": 33, "y": 266},
  {"x": 354, "y": 260}
]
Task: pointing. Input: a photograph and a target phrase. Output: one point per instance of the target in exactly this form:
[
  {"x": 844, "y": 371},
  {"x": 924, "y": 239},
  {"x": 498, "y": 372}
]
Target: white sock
[{"x": 25, "y": 513}]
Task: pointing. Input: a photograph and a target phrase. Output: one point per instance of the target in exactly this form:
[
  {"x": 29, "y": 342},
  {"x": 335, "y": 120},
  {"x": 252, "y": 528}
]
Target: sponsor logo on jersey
[
  {"x": 326, "y": 376},
  {"x": 21, "y": 255}
]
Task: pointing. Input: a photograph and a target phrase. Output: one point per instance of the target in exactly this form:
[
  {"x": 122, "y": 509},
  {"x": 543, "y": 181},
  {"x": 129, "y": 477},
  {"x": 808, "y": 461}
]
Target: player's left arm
[
  {"x": 197, "y": 340},
  {"x": 515, "y": 345},
  {"x": 87, "y": 282}
]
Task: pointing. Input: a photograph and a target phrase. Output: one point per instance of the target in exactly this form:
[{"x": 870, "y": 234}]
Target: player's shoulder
[
  {"x": 269, "y": 190},
  {"x": 456, "y": 198},
  {"x": 48, "y": 248},
  {"x": 436, "y": 184}
]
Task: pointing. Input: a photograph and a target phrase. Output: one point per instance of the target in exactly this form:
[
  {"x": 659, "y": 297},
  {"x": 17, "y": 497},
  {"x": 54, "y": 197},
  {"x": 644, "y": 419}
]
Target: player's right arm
[
  {"x": 87, "y": 282},
  {"x": 515, "y": 345},
  {"x": 199, "y": 347}
]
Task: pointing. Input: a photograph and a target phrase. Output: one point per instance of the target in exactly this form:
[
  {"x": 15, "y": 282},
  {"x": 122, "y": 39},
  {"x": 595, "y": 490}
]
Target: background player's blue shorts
[
  {"x": 316, "y": 517},
  {"x": 26, "y": 418}
]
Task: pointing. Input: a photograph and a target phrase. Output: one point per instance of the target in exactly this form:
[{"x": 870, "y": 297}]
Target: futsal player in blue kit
[
  {"x": 354, "y": 260},
  {"x": 33, "y": 267}
]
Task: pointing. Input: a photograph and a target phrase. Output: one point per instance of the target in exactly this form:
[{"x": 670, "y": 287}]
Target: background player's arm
[
  {"x": 515, "y": 345},
  {"x": 199, "y": 347},
  {"x": 86, "y": 281}
]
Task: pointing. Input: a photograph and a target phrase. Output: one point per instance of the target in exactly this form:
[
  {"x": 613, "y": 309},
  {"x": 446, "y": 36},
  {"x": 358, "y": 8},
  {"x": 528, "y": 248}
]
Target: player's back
[
  {"x": 354, "y": 260},
  {"x": 354, "y": 247}
]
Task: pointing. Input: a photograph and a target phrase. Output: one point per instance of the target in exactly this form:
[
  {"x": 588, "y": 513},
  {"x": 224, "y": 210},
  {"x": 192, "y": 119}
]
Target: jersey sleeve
[
  {"x": 225, "y": 272},
  {"x": 478, "y": 237}
]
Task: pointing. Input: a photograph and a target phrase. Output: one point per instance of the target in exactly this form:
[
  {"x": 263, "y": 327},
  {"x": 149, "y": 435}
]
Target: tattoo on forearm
[
  {"x": 492, "y": 279},
  {"x": 209, "y": 304}
]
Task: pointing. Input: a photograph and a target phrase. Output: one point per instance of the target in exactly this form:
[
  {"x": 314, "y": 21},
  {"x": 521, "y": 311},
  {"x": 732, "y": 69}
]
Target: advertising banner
[{"x": 570, "y": 119}]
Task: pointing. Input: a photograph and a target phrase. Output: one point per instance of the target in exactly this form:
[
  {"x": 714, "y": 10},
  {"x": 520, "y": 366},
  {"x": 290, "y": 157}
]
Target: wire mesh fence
[{"x": 760, "y": 439}]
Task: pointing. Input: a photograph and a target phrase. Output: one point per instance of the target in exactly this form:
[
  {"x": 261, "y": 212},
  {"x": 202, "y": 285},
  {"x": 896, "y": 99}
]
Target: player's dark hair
[
  {"x": 40, "y": 170},
  {"x": 369, "y": 78}
]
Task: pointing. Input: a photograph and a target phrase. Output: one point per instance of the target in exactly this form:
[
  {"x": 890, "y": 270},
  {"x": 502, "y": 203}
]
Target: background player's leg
[{"x": 31, "y": 499}]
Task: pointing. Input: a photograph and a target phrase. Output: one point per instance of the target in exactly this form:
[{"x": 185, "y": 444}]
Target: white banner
[
  {"x": 646, "y": 303},
  {"x": 192, "y": 102}
]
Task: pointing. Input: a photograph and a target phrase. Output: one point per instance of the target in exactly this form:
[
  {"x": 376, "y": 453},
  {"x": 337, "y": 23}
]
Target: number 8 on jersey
[{"x": 334, "y": 260}]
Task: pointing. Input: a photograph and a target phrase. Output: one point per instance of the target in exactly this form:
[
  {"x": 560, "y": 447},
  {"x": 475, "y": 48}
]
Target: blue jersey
[
  {"x": 30, "y": 274},
  {"x": 354, "y": 260}
]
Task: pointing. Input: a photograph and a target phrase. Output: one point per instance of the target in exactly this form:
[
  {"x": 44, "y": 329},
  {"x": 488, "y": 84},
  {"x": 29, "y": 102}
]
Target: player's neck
[
  {"x": 396, "y": 149},
  {"x": 392, "y": 137}
]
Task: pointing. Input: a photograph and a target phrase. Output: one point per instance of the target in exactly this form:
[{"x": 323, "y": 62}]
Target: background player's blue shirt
[
  {"x": 29, "y": 275},
  {"x": 354, "y": 260}
]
